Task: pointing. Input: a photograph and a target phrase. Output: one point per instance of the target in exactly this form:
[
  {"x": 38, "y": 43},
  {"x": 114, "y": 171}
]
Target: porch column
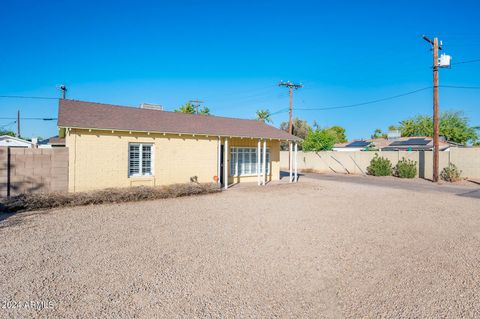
[
  {"x": 295, "y": 162},
  {"x": 225, "y": 164},
  {"x": 290, "y": 154},
  {"x": 258, "y": 162},
  {"x": 219, "y": 159},
  {"x": 264, "y": 164}
]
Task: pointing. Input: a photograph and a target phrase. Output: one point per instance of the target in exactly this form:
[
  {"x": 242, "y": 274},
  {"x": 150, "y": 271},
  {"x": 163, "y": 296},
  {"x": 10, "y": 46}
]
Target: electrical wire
[
  {"x": 11, "y": 123},
  {"x": 29, "y": 97},
  {"x": 465, "y": 62},
  {"x": 364, "y": 103},
  {"x": 31, "y": 118},
  {"x": 460, "y": 87}
]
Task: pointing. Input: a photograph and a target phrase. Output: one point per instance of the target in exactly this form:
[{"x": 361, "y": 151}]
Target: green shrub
[
  {"x": 379, "y": 166},
  {"x": 406, "y": 168},
  {"x": 451, "y": 173}
]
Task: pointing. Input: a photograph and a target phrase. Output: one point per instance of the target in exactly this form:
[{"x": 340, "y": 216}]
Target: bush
[
  {"x": 28, "y": 202},
  {"x": 451, "y": 173},
  {"x": 379, "y": 166},
  {"x": 406, "y": 168}
]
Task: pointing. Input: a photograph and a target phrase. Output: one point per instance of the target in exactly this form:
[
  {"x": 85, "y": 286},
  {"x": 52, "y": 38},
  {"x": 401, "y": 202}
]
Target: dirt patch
[{"x": 313, "y": 249}]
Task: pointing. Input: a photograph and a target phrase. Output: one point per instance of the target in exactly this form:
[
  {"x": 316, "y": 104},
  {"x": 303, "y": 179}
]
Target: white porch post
[
  {"x": 258, "y": 162},
  {"x": 264, "y": 164},
  {"x": 219, "y": 158},
  {"x": 290, "y": 154},
  {"x": 225, "y": 164},
  {"x": 295, "y": 162}
]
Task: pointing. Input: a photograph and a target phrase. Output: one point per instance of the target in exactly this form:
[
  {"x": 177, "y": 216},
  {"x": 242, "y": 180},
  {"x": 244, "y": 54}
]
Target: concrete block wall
[
  {"x": 33, "y": 170},
  {"x": 466, "y": 159}
]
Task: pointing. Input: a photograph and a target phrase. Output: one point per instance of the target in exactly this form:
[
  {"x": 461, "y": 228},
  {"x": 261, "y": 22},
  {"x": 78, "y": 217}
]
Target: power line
[
  {"x": 365, "y": 103},
  {"x": 460, "y": 87},
  {"x": 467, "y": 61},
  {"x": 11, "y": 123},
  {"x": 30, "y": 118},
  {"x": 28, "y": 97}
]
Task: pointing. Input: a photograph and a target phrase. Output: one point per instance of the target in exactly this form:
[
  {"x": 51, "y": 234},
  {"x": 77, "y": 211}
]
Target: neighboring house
[
  {"x": 354, "y": 146},
  {"x": 117, "y": 146},
  {"x": 7, "y": 140},
  {"x": 415, "y": 143},
  {"x": 54, "y": 141}
]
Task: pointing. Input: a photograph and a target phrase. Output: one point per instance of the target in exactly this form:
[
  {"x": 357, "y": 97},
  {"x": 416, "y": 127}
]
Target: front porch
[{"x": 250, "y": 160}]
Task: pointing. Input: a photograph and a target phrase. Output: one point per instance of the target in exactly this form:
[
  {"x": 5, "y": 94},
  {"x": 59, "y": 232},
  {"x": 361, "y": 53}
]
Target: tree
[
  {"x": 6, "y": 132},
  {"x": 378, "y": 134},
  {"x": 190, "y": 109},
  {"x": 300, "y": 129},
  {"x": 205, "y": 111},
  {"x": 454, "y": 126},
  {"x": 393, "y": 128},
  {"x": 264, "y": 116},
  {"x": 339, "y": 133},
  {"x": 319, "y": 140}
]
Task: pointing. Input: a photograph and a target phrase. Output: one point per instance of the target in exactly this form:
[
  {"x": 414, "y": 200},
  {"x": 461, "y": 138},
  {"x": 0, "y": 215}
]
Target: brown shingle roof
[{"x": 90, "y": 115}]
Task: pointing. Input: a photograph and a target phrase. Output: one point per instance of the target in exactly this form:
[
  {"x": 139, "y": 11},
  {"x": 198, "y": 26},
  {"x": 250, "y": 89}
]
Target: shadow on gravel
[
  {"x": 473, "y": 194},
  {"x": 412, "y": 185}
]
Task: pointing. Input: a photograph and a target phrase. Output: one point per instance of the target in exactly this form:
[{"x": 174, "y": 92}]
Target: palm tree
[{"x": 264, "y": 116}]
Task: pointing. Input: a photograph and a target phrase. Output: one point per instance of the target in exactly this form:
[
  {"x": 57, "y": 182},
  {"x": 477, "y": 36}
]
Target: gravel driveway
[{"x": 319, "y": 248}]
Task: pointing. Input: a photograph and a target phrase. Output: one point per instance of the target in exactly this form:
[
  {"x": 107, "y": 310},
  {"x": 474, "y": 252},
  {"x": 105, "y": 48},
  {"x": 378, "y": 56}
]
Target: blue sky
[{"x": 232, "y": 55}]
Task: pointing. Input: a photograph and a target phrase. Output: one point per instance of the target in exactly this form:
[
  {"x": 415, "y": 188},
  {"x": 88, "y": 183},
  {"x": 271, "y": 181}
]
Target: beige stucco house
[{"x": 117, "y": 146}]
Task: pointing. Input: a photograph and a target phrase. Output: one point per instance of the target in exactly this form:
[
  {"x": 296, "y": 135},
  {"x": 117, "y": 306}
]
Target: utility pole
[
  {"x": 18, "y": 123},
  {"x": 435, "y": 48},
  {"x": 291, "y": 86},
  {"x": 196, "y": 103}
]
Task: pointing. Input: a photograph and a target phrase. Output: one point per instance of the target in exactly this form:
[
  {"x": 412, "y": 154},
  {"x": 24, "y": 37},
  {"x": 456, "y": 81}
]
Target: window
[
  {"x": 140, "y": 158},
  {"x": 243, "y": 161}
]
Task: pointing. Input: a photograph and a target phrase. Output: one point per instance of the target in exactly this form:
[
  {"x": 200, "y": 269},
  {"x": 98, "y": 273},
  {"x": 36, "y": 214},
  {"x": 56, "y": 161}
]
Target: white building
[{"x": 6, "y": 140}]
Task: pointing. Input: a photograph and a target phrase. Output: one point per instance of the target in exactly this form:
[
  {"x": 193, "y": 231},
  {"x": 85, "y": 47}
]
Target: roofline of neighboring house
[
  {"x": 180, "y": 134},
  {"x": 17, "y": 139}
]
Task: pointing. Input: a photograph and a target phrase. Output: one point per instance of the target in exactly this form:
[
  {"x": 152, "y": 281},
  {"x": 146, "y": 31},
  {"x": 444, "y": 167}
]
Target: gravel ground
[{"x": 318, "y": 248}]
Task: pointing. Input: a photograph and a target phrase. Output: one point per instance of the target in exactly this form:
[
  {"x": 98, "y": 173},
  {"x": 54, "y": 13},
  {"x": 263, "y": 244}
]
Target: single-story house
[
  {"x": 118, "y": 146},
  {"x": 54, "y": 141},
  {"x": 11, "y": 141}
]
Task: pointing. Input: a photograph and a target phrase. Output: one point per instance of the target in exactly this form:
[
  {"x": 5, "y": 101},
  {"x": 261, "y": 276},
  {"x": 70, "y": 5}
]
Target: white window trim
[
  {"x": 267, "y": 165},
  {"x": 152, "y": 160}
]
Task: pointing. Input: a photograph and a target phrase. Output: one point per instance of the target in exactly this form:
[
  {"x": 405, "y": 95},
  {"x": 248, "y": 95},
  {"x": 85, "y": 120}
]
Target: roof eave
[{"x": 294, "y": 139}]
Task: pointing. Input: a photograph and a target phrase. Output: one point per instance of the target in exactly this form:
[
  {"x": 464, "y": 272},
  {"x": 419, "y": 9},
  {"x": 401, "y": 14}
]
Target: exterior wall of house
[{"x": 99, "y": 159}]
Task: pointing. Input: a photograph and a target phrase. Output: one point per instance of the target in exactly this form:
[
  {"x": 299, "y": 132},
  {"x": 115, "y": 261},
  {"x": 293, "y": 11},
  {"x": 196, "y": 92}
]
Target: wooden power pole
[
  {"x": 196, "y": 103},
  {"x": 291, "y": 86},
  {"x": 18, "y": 123},
  {"x": 436, "y": 133}
]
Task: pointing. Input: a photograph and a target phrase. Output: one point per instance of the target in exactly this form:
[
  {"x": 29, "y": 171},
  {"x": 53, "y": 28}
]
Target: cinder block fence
[
  {"x": 28, "y": 170},
  {"x": 466, "y": 159}
]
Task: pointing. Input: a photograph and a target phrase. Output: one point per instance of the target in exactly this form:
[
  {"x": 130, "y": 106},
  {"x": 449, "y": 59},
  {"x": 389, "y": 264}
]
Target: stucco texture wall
[
  {"x": 99, "y": 159},
  {"x": 466, "y": 159}
]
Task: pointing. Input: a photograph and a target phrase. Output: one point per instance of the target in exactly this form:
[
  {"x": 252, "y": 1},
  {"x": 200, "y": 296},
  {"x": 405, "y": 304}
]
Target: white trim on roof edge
[{"x": 171, "y": 133}]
